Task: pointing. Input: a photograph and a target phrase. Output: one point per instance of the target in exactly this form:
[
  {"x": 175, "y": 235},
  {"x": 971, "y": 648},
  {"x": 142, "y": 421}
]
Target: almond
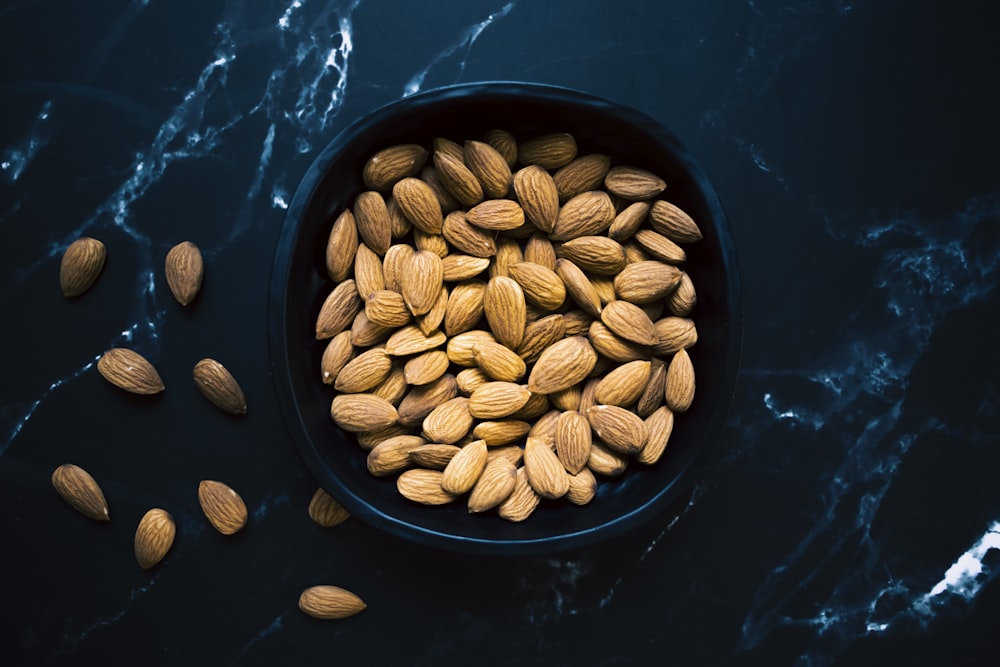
[
  {"x": 618, "y": 428},
  {"x": 153, "y": 537},
  {"x": 538, "y": 195},
  {"x": 595, "y": 254},
  {"x": 411, "y": 340},
  {"x": 325, "y": 511},
  {"x": 461, "y": 346},
  {"x": 652, "y": 396},
  {"x": 572, "y": 440},
  {"x": 420, "y": 401},
  {"x": 674, "y": 333},
  {"x": 419, "y": 204},
  {"x": 341, "y": 246},
  {"x": 633, "y": 184},
  {"x": 184, "y": 269},
  {"x": 508, "y": 253},
  {"x": 500, "y": 433},
  {"x": 394, "y": 387},
  {"x": 577, "y": 322},
  {"x": 586, "y": 214},
  {"x": 434, "y": 456},
  {"x": 387, "y": 308},
  {"x": 634, "y": 252},
  {"x": 658, "y": 246},
  {"x": 498, "y": 361},
  {"x": 549, "y": 151},
  {"x": 223, "y": 507},
  {"x": 587, "y": 395},
  {"x": 364, "y": 372},
  {"x": 450, "y": 148},
  {"x": 629, "y": 322},
  {"x": 645, "y": 282},
  {"x": 426, "y": 368},
  {"x": 659, "y": 426},
  {"x": 368, "y": 274},
  {"x": 465, "y": 468},
  {"x": 423, "y": 278},
  {"x": 562, "y": 365},
  {"x": 399, "y": 224},
  {"x": 495, "y": 483},
  {"x": 470, "y": 379},
  {"x": 544, "y": 427},
  {"x": 365, "y": 333},
  {"x": 392, "y": 455},
  {"x": 81, "y": 264},
  {"x": 335, "y": 356},
  {"x": 496, "y": 400},
  {"x": 372, "y": 219},
  {"x": 219, "y": 386},
  {"x": 432, "y": 320},
  {"x": 80, "y": 490},
  {"x": 392, "y": 164},
  {"x": 566, "y": 399},
  {"x": 467, "y": 238},
  {"x": 606, "y": 461},
  {"x": 628, "y": 221},
  {"x": 581, "y": 175},
  {"x": 582, "y": 487},
  {"x": 490, "y": 168},
  {"x": 505, "y": 143},
  {"x": 394, "y": 266},
  {"x": 338, "y": 310},
  {"x": 362, "y": 412},
  {"x": 432, "y": 177},
  {"x": 683, "y": 299},
  {"x": 496, "y": 215},
  {"x": 460, "y": 182},
  {"x": 330, "y": 602},
  {"x": 679, "y": 390},
  {"x": 538, "y": 249},
  {"x": 673, "y": 223},
  {"x": 521, "y": 502},
  {"x": 546, "y": 473},
  {"x": 512, "y": 453},
  {"x": 456, "y": 268},
  {"x": 372, "y": 438},
  {"x": 128, "y": 370},
  {"x": 424, "y": 487},
  {"x": 623, "y": 385},
  {"x": 579, "y": 287},
  {"x": 539, "y": 335},
  {"x": 465, "y": 307},
  {"x": 449, "y": 422},
  {"x": 504, "y": 307},
  {"x": 536, "y": 406},
  {"x": 541, "y": 286}
]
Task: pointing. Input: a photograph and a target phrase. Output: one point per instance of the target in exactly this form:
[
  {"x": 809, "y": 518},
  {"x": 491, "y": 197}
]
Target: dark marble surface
[{"x": 850, "y": 514}]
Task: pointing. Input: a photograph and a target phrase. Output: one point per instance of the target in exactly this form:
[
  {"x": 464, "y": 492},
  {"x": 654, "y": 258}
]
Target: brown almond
[
  {"x": 338, "y": 310},
  {"x": 496, "y": 215},
  {"x": 330, "y": 602},
  {"x": 470, "y": 379},
  {"x": 674, "y": 333},
  {"x": 512, "y": 453},
  {"x": 521, "y": 502},
  {"x": 496, "y": 400},
  {"x": 223, "y": 507},
  {"x": 81, "y": 491},
  {"x": 341, "y": 246},
  {"x": 394, "y": 266},
  {"x": 562, "y": 365},
  {"x": 539, "y": 335},
  {"x": 634, "y": 252},
  {"x": 420, "y": 401},
  {"x": 679, "y": 390},
  {"x": 392, "y": 164},
  {"x": 587, "y": 395},
  {"x": 549, "y": 151},
  {"x": 392, "y": 455},
  {"x": 432, "y": 177},
  {"x": 129, "y": 370},
  {"x": 628, "y": 221},
  {"x": 572, "y": 441},
  {"x": 546, "y": 473},
  {"x": 370, "y": 439},
  {"x": 362, "y": 412},
  {"x": 465, "y": 468},
  {"x": 595, "y": 254},
  {"x": 449, "y": 422},
  {"x": 449, "y": 147},
  {"x": 423, "y": 486},
  {"x": 461, "y": 346},
  {"x": 683, "y": 299},
  {"x": 424, "y": 276},
  {"x": 505, "y": 143},
  {"x": 541, "y": 285},
  {"x": 364, "y": 372},
  {"x": 153, "y": 537},
  {"x": 652, "y": 396},
  {"x": 504, "y": 307},
  {"x": 387, "y": 308},
  {"x": 538, "y": 195},
  {"x": 219, "y": 386},
  {"x": 490, "y": 168},
  {"x": 618, "y": 428},
  {"x": 434, "y": 456},
  {"x": 399, "y": 224},
  {"x": 577, "y": 322},
  {"x": 465, "y": 307},
  {"x": 583, "y": 174},
  {"x": 567, "y": 399},
  {"x": 538, "y": 249},
  {"x": 606, "y": 461},
  {"x": 372, "y": 219},
  {"x": 586, "y": 214},
  {"x": 623, "y": 385},
  {"x": 456, "y": 268},
  {"x": 335, "y": 356},
  {"x": 645, "y": 282},
  {"x": 411, "y": 340},
  {"x": 544, "y": 427},
  {"x": 495, "y": 483},
  {"x": 184, "y": 268},
  {"x": 582, "y": 487},
  {"x": 659, "y": 426},
  {"x": 672, "y": 222},
  {"x": 394, "y": 387},
  {"x": 658, "y": 246},
  {"x": 579, "y": 287},
  {"x": 508, "y": 253},
  {"x": 365, "y": 333},
  {"x": 325, "y": 511},
  {"x": 81, "y": 264},
  {"x": 613, "y": 347},
  {"x": 500, "y": 433},
  {"x": 499, "y": 361},
  {"x": 630, "y": 322},
  {"x": 419, "y": 204},
  {"x": 468, "y": 238},
  {"x": 460, "y": 182},
  {"x": 633, "y": 184},
  {"x": 426, "y": 368},
  {"x": 368, "y": 273}
]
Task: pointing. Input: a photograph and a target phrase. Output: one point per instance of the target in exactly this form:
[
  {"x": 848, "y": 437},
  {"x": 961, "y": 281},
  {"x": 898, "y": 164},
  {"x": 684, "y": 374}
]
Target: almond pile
[{"x": 507, "y": 320}]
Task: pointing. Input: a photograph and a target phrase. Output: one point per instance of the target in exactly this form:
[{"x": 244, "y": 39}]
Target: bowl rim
[{"x": 281, "y": 370}]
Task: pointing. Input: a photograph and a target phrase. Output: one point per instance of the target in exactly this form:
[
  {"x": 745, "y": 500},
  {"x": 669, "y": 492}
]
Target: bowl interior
[{"x": 300, "y": 284}]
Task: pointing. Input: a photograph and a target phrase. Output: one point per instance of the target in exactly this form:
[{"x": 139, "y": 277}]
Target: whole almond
[
  {"x": 460, "y": 267},
  {"x": 153, "y": 537},
  {"x": 541, "y": 285},
  {"x": 595, "y": 254},
  {"x": 505, "y": 143},
  {"x": 630, "y": 322},
  {"x": 394, "y": 266},
  {"x": 365, "y": 333},
  {"x": 218, "y": 385},
  {"x": 426, "y": 367},
  {"x": 672, "y": 222},
  {"x": 387, "y": 308},
  {"x": 549, "y": 151},
  {"x": 81, "y": 264},
  {"x": 683, "y": 299},
  {"x": 450, "y": 148},
  {"x": 538, "y": 249},
  {"x": 460, "y": 182},
  {"x": 372, "y": 219},
  {"x": 496, "y": 215},
  {"x": 184, "y": 269},
  {"x": 424, "y": 276},
  {"x": 546, "y": 473},
  {"x": 579, "y": 287},
  {"x": 80, "y": 491},
  {"x": 582, "y": 487},
  {"x": 674, "y": 333},
  {"x": 536, "y": 406},
  {"x": 364, "y": 372},
  {"x": 577, "y": 322},
  {"x": 420, "y": 401},
  {"x": 411, "y": 340},
  {"x": 490, "y": 168},
  {"x": 645, "y": 282},
  {"x": 628, "y": 221},
  {"x": 434, "y": 456},
  {"x": 419, "y": 204},
  {"x": 335, "y": 356},
  {"x": 562, "y": 365},
  {"x": 341, "y": 246},
  {"x": 372, "y": 438},
  {"x": 500, "y": 433},
  {"x": 392, "y": 455},
  {"x": 432, "y": 177},
  {"x": 325, "y": 511},
  {"x": 512, "y": 453},
  {"x": 658, "y": 246},
  {"x": 504, "y": 307},
  {"x": 508, "y": 253},
  {"x": 461, "y": 347},
  {"x": 634, "y": 252},
  {"x": 129, "y": 370},
  {"x": 538, "y": 195},
  {"x": 423, "y": 486},
  {"x": 618, "y": 428},
  {"x": 652, "y": 396},
  {"x": 467, "y": 238},
  {"x": 659, "y": 426},
  {"x": 435, "y": 243},
  {"x": 605, "y": 461},
  {"x": 496, "y": 400},
  {"x": 499, "y": 361},
  {"x": 572, "y": 439},
  {"x": 330, "y": 602},
  {"x": 521, "y": 502},
  {"x": 470, "y": 379},
  {"x": 539, "y": 335},
  {"x": 465, "y": 307},
  {"x": 494, "y": 485},
  {"x": 586, "y": 214},
  {"x": 623, "y": 385},
  {"x": 544, "y": 427},
  {"x": 679, "y": 390},
  {"x": 633, "y": 184},
  {"x": 362, "y": 412},
  {"x": 567, "y": 399},
  {"x": 465, "y": 468},
  {"x": 338, "y": 310},
  {"x": 389, "y": 165},
  {"x": 449, "y": 422},
  {"x": 223, "y": 507},
  {"x": 581, "y": 175},
  {"x": 394, "y": 387},
  {"x": 369, "y": 276},
  {"x": 588, "y": 398}
]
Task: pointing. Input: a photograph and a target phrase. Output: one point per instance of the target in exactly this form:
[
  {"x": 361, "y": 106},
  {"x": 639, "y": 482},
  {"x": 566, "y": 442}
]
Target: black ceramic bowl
[{"x": 299, "y": 285}]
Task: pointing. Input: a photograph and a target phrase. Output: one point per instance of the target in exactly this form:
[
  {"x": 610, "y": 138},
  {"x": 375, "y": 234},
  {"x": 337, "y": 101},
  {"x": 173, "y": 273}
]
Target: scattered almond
[
  {"x": 153, "y": 537},
  {"x": 330, "y": 602},
  {"x": 81, "y": 264},
  {"x": 80, "y": 490},
  {"x": 185, "y": 269},
  {"x": 223, "y": 507},
  {"x": 129, "y": 370},
  {"x": 218, "y": 385}
]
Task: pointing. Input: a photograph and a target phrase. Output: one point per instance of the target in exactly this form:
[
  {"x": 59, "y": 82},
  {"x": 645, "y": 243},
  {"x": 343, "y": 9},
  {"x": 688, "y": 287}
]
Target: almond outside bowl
[{"x": 299, "y": 285}]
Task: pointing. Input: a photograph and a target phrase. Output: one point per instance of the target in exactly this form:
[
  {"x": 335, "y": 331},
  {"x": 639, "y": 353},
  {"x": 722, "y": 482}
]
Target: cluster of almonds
[{"x": 507, "y": 320}]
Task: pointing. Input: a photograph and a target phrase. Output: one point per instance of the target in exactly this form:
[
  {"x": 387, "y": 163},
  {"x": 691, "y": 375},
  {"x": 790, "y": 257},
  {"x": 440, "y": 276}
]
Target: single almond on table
[
  {"x": 618, "y": 428},
  {"x": 325, "y": 511},
  {"x": 81, "y": 264},
  {"x": 129, "y": 370},
  {"x": 392, "y": 164},
  {"x": 219, "y": 386},
  {"x": 465, "y": 468},
  {"x": 153, "y": 537},
  {"x": 562, "y": 365},
  {"x": 494, "y": 485},
  {"x": 633, "y": 184},
  {"x": 76, "y": 486},
  {"x": 223, "y": 507},
  {"x": 330, "y": 602},
  {"x": 185, "y": 269},
  {"x": 679, "y": 391}
]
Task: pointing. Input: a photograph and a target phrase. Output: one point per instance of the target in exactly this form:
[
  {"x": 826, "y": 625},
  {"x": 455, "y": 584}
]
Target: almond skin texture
[
  {"x": 582, "y": 487},
  {"x": 341, "y": 246},
  {"x": 521, "y": 502},
  {"x": 460, "y": 267},
  {"x": 330, "y": 602},
  {"x": 674, "y": 333},
  {"x": 628, "y": 221},
  {"x": 659, "y": 426},
  {"x": 549, "y": 151},
  {"x": 505, "y": 309},
  {"x": 460, "y": 182},
  {"x": 496, "y": 215},
  {"x": 679, "y": 392},
  {"x": 595, "y": 254},
  {"x": 623, "y": 385},
  {"x": 424, "y": 487},
  {"x": 539, "y": 196},
  {"x": 546, "y": 473},
  {"x": 335, "y": 356},
  {"x": 499, "y": 362},
  {"x": 562, "y": 365},
  {"x": 392, "y": 455},
  {"x": 369, "y": 276},
  {"x": 541, "y": 285},
  {"x": 218, "y": 385},
  {"x": 153, "y": 537},
  {"x": 490, "y": 168},
  {"x": 325, "y": 511},
  {"x": 434, "y": 456},
  {"x": 500, "y": 433},
  {"x": 606, "y": 461},
  {"x": 364, "y": 372},
  {"x": 618, "y": 428},
  {"x": 465, "y": 468},
  {"x": 393, "y": 266},
  {"x": 683, "y": 299},
  {"x": 646, "y": 282},
  {"x": 658, "y": 246},
  {"x": 539, "y": 335},
  {"x": 496, "y": 400},
  {"x": 222, "y": 506},
  {"x": 449, "y": 422},
  {"x": 495, "y": 483},
  {"x": 579, "y": 287},
  {"x": 630, "y": 322},
  {"x": 467, "y": 238},
  {"x": 411, "y": 340},
  {"x": 426, "y": 367},
  {"x": 572, "y": 440},
  {"x": 420, "y": 401},
  {"x": 373, "y": 222},
  {"x": 81, "y": 264},
  {"x": 419, "y": 204},
  {"x": 586, "y": 214},
  {"x": 465, "y": 307},
  {"x": 652, "y": 396},
  {"x": 387, "y": 308},
  {"x": 362, "y": 412},
  {"x": 338, "y": 310},
  {"x": 424, "y": 276},
  {"x": 128, "y": 370},
  {"x": 633, "y": 184},
  {"x": 393, "y": 164},
  {"x": 505, "y": 143},
  {"x": 673, "y": 223},
  {"x": 185, "y": 269},
  {"x": 581, "y": 175},
  {"x": 80, "y": 490}
]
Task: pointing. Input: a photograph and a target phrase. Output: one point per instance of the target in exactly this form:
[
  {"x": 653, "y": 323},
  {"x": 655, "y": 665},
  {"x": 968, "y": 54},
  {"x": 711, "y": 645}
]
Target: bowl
[{"x": 299, "y": 284}]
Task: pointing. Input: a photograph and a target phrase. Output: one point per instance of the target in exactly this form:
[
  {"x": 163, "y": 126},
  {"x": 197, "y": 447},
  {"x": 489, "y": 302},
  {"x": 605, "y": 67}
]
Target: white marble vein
[
  {"x": 462, "y": 47},
  {"x": 966, "y": 576},
  {"x": 14, "y": 160},
  {"x": 274, "y": 626}
]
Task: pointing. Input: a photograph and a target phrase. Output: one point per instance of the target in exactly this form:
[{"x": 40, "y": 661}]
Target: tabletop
[{"x": 849, "y": 514}]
